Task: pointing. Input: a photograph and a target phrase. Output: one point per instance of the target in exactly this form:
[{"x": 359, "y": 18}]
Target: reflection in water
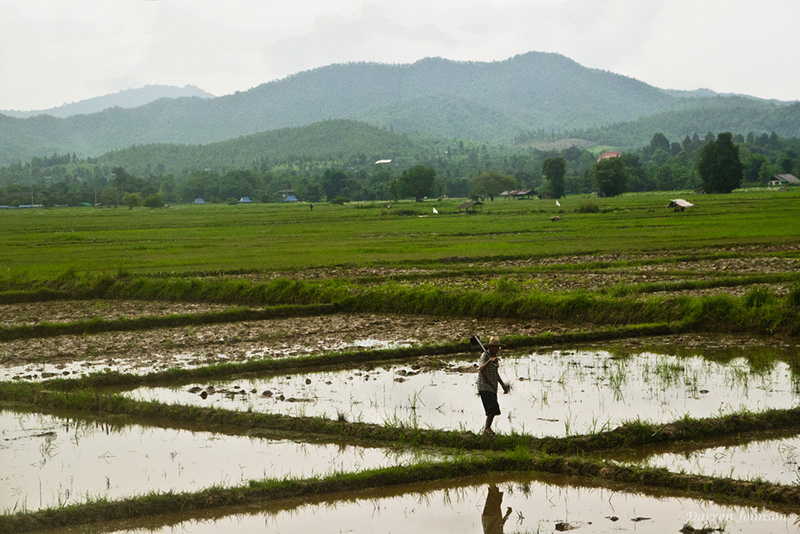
[
  {"x": 492, "y": 518},
  {"x": 542, "y": 504}
]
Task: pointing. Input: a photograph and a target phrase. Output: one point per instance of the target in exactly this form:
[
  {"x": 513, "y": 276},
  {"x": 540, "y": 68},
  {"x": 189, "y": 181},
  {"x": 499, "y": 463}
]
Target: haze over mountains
[
  {"x": 530, "y": 96},
  {"x": 129, "y": 98}
]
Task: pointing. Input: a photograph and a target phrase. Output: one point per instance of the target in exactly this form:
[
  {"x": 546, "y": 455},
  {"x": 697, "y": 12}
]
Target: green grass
[
  {"x": 760, "y": 311},
  {"x": 276, "y": 237}
]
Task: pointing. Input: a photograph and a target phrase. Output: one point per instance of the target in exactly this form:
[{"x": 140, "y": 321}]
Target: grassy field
[
  {"x": 630, "y": 260},
  {"x": 40, "y": 244}
]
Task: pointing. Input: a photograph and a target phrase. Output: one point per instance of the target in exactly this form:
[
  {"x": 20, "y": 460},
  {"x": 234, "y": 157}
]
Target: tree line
[{"x": 451, "y": 169}]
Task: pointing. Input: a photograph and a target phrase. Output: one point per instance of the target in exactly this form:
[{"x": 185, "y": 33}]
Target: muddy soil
[
  {"x": 207, "y": 344},
  {"x": 72, "y": 310},
  {"x": 191, "y": 346},
  {"x": 590, "y": 279}
]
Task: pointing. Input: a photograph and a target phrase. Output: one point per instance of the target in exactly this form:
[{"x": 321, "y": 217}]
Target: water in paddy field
[
  {"x": 546, "y": 504},
  {"x": 554, "y": 393},
  {"x": 770, "y": 456},
  {"x": 50, "y": 461}
]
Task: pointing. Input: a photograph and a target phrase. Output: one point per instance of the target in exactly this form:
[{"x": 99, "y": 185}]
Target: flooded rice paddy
[
  {"x": 536, "y": 505},
  {"x": 555, "y": 393},
  {"x": 765, "y": 456},
  {"x": 50, "y": 461}
]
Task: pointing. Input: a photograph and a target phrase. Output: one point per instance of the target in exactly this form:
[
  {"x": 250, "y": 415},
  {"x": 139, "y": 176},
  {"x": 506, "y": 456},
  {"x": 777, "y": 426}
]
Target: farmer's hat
[{"x": 494, "y": 341}]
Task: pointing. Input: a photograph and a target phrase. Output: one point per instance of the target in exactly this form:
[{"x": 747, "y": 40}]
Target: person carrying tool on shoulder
[{"x": 488, "y": 378}]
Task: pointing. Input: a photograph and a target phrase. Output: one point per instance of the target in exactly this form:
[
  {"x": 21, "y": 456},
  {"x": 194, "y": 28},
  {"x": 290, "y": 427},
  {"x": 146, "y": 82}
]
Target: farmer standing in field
[{"x": 488, "y": 378}]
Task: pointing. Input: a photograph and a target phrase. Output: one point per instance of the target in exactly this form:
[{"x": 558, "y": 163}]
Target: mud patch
[
  {"x": 193, "y": 346},
  {"x": 68, "y": 311}
]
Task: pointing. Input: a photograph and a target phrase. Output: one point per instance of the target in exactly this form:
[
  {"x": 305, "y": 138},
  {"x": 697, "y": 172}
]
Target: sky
[{"x": 54, "y": 52}]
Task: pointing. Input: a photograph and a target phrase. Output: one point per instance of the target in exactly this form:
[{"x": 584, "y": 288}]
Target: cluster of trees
[
  {"x": 713, "y": 163},
  {"x": 720, "y": 168}
]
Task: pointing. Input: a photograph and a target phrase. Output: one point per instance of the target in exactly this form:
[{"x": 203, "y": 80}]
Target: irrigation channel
[{"x": 612, "y": 436}]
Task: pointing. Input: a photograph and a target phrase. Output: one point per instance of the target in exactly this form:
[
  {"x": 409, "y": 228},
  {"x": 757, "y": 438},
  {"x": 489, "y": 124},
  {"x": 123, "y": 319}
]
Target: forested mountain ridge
[
  {"x": 337, "y": 142},
  {"x": 734, "y": 114},
  {"x": 539, "y": 93},
  {"x": 128, "y": 98}
]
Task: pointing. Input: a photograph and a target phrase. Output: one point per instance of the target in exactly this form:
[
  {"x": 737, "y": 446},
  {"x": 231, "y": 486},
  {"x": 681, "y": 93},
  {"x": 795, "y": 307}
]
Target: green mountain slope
[
  {"x": 491, "y": 101},
  {"x": 333, "y": 141}
]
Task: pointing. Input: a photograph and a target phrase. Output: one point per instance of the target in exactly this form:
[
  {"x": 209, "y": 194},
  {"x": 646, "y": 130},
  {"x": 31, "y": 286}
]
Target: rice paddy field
[{"x": 272, "y": 368}]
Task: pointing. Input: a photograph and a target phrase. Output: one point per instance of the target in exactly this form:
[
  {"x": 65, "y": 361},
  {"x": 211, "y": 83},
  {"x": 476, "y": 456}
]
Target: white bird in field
[
  {"x": 435, "y": 210},
  {"x": 558, "y": 203}
]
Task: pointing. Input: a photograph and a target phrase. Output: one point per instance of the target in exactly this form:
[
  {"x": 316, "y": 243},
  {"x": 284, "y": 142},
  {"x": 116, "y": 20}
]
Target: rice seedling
[{"x": 414, "y": 400}]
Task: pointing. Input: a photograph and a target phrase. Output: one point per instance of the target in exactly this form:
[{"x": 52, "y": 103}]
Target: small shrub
[
  {"x": 340, "y": 201},
  {"x": 155, "y": 200},
  {"x": 588, "y": 207}
]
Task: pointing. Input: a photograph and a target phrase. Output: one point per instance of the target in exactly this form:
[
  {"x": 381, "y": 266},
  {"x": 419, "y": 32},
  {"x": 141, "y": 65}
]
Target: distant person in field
[
  {"x": 492, "y": 517},
  {"x": 488, "y": 378}
]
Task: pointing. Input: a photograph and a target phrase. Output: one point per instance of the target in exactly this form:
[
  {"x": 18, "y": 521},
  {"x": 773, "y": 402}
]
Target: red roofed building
[{"x": 608, "y": 154}]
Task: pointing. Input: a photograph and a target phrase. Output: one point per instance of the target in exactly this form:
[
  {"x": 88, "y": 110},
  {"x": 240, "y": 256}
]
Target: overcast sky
[{"x": 54, "y": 52}]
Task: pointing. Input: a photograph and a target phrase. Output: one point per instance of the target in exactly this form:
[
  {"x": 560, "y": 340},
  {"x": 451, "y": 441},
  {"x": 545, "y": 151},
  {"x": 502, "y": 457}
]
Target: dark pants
[{"x": 490, "y": 404}]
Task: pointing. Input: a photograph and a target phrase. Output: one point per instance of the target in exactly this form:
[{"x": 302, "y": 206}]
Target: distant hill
[
  {"x": 538, "y": 94},
  {"x": 338, "y": 142},
  {"x": 733, "y": 114},
  {"x": 129, "y": 98}
]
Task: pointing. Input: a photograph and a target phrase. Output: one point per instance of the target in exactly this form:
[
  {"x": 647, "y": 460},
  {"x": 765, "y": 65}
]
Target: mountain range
[
  {"x": 535, "y": 95},
  {"x": 129, "y": 98}
]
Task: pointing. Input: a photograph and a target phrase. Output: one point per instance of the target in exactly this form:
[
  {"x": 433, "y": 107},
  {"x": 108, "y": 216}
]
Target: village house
[
  {"x": 779, "y": 180},
  {"x": 518, "y": 193}
]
